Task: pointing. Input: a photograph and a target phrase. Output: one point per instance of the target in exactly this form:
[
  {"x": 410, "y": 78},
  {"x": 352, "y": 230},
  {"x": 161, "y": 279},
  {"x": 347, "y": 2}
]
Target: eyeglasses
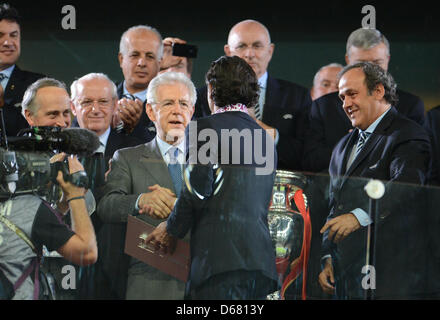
[
  {"x": 102, "y": 103},
  {"x": 168, "y": 104}
]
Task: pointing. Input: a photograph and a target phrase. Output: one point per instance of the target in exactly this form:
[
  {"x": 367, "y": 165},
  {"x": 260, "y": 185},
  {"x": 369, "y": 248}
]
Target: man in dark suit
[
  {"x": 232, "y": 256},
  {"x": 386, "y": 146},
  {"x": 13, "y": 80},
  {"x": 94, "y": 100},
  {"x": 140, "y": 183},
  {"x": 282, "y": 106},
  {"x": 432, "y": 125},
  {"x": 328, "y": 123},
  {"x": 140, "y": 52}
]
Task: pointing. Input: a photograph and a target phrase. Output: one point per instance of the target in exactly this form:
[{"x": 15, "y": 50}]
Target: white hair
[
  {"x": 167, "y": 78},
  {"x": 123, "y": 43},
  {"x": 91, "y": 76}
]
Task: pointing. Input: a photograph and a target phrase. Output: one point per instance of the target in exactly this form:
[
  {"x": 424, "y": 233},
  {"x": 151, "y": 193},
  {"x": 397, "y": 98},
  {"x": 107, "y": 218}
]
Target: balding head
[
  {"x": 250, "y": 40},
  {"x": 140, "y": 51}
]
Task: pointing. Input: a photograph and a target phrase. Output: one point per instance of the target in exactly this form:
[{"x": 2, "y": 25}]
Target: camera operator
[
  {"x": 46, "y": 102},
  {"x": 43, "y": 225}
]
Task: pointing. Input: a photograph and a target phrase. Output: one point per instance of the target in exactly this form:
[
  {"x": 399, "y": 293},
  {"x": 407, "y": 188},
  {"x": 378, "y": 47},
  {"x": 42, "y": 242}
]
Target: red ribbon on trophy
[{"x": 301, "y": 263}]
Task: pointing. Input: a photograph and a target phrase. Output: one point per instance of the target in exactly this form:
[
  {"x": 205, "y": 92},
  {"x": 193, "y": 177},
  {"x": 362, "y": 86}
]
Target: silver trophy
[{"x": 286, "y": 223}]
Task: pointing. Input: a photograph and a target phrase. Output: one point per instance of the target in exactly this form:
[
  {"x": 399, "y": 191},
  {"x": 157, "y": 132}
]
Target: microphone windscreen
[{"x": 79, "y": 141}]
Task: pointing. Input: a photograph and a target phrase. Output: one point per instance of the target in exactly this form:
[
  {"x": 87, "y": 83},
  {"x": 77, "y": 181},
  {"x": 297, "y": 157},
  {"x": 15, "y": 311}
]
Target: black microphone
[
  {"x": 82, "y": 142},
  {"x": 79, "y": 141}
]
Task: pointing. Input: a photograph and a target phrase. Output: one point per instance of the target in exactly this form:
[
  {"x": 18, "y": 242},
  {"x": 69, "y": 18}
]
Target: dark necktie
[
  {"x": 2, "y": 77},
  {"x": 175, "y": 169},
  {"x": 363, "y": 136},
  {"x": 257, "y": 111}
]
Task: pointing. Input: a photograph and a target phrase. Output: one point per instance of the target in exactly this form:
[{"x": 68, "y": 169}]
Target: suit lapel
[
  {"x": 13, "y": 85},
  {"x": 272, "y": 99},
  {"x": 153, "y": 163},
  {"x": 113, "y": 142},
  {"x": 373, "y": 140}
]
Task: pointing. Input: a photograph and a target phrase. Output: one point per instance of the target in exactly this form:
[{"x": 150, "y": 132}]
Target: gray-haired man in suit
[{"x": 140, "y": 183}]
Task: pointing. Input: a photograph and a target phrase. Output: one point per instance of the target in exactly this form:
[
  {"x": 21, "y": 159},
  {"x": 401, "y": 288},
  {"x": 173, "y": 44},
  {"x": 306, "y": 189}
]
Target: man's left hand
[
  {"x": 129, "y": 112},
  {"x": 341, "y": 226},
  {"x": 161, "y": 240}
]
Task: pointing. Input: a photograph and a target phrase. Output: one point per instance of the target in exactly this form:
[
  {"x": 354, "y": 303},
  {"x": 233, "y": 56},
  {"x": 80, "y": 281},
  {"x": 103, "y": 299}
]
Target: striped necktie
[
  {"x": 257, "y": 111},
  {"x": 363, "y": 136},
  {"x": 175, "y": 169}
]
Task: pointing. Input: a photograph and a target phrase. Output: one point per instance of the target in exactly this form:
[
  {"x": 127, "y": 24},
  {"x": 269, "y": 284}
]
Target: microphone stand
[{"x": 375, "y": 190}]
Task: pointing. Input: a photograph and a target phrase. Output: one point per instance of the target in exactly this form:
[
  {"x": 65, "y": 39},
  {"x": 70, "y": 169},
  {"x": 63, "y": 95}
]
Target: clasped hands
[
  {"x": 129, "y": 112},
  {"x": 158, "y": 203}
]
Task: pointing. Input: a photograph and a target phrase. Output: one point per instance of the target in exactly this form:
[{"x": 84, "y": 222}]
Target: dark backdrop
[{"x": 307, "y": 35}]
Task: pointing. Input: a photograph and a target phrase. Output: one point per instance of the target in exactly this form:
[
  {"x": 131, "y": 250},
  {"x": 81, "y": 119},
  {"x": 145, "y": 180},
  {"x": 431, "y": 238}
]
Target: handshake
[{"x": 158, "y": 203}]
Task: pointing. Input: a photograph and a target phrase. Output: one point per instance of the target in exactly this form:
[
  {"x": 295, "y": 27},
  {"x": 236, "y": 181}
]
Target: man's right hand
[
  {"x": 158, "y": 203},
  {"x": 129, "y": 112},
  {"x": 326, "y": 278}
]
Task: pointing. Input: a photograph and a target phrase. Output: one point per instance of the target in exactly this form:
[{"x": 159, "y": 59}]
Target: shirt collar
[
  {"x": 262, "y": 81},
  {"x": 373, "y": 126},
  {"x": 7, "y": 72},
  {"x": 103, "y": 138},
  {"x": 164, "y": 147},
  {"x": 142, "y": 95}
]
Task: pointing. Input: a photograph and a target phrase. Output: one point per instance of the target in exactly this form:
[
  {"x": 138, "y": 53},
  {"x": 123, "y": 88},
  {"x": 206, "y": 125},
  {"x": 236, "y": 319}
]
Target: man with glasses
[
  {"x": 142, "y": 182},
  {"x": 282, "y": 104},
  {"x": 94, "y": 100}
]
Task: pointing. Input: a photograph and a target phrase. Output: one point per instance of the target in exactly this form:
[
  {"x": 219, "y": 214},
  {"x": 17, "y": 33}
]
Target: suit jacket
[
  {"x": 432, "y": 122},
  {"x": 286, "y": 109},
  {"x": 229, "y": 229},
  {"x": 133, "y": 171},
  {"x": 17, "y": 85},
  {"x": 328, "y": 123},
  {"x": 145, "y": 129},
  {"x": 432, "y": 126},
  {"x": 397, "y": 151}
]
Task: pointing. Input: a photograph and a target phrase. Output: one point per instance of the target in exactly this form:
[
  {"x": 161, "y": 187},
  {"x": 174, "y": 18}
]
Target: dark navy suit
[
  {"x": 328, "y": 123},
  {"x": 230, "y": 238},
  {"x": 100, "y": 280},
  {"x": 145, "y": 129},
  {"x": 286, "y": 109},
  {"x": 13, "y": 95},
  {"x": 432, "y": 126},
  {"x": 397, "y": 151}
]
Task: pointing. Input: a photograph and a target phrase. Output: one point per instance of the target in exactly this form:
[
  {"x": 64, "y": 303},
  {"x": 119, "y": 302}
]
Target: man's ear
[
  {"x": 227, "y": 50},
  {"x": 120, "y": 59},
  {"x": 29, "y": 118},
  {"x": 379, "y": 91},
  {"x": 150, "y": 112},
  {"x": 73, "y": 108}
]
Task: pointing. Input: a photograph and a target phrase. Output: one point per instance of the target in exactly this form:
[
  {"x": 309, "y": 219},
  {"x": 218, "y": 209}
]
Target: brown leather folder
[{"x": 176, "y": 264}]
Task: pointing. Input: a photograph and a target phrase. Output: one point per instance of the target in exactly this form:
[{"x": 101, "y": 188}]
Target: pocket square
[{"x": 288, "y": 116}]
